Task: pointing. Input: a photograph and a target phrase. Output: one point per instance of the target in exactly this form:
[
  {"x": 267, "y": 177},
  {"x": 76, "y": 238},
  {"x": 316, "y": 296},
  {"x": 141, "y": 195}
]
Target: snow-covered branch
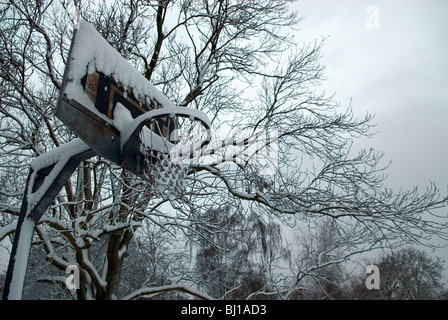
[
  {"x": 258, "y": 196},
  {"x": 152, "y": 291}
]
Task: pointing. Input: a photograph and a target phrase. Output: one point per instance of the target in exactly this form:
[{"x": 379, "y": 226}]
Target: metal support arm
[{"x": 47, "y": 175}]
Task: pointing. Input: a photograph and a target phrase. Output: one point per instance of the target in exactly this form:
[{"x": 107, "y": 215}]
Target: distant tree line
[{"x": 240, "y": 258}]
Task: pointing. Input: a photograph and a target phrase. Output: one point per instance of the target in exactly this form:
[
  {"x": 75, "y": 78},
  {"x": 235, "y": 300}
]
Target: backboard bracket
[{"x": 99, "y": 134}]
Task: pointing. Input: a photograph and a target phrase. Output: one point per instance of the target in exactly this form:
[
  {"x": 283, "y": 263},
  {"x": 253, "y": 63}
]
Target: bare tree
[
  {"x": 235, "y": 60},
  {"x": 320, "y": 262},
  {"x": 231, "y": 258}
]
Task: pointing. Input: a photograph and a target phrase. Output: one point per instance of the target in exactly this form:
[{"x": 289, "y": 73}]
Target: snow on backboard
[{"x": 96, "y": 79}]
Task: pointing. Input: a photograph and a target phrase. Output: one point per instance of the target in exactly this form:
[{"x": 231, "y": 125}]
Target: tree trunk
[{"x": 116, "y": 252}]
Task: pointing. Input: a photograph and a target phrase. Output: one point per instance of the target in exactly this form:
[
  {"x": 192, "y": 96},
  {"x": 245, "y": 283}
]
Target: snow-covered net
[
  {"x": 167, "y": 162},
  {"x": 166, "y": 176}
]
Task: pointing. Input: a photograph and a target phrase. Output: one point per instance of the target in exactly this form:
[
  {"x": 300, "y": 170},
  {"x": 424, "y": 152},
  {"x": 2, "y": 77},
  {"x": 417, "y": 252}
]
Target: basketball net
[{"x": 167, "y": 166}]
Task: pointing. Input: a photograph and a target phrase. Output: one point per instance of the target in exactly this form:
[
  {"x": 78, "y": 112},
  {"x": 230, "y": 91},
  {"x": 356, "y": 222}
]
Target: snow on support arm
[
  {"x": 48, "y": 173},
  {"x": 57, "y": 157}
]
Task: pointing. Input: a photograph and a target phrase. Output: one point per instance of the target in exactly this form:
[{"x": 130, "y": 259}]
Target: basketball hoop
[{"x": 164, "y": 163}]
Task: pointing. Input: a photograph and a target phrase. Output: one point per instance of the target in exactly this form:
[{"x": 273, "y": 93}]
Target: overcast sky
[{"x": 391, "y": 59}]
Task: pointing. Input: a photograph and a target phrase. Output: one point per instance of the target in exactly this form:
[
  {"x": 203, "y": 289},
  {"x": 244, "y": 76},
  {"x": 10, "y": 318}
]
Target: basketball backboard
[{"x": 96, "y": 79}]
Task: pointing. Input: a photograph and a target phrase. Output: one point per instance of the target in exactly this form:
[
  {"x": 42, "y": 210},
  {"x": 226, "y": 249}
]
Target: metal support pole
[{"x": 48, "y": 174}]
